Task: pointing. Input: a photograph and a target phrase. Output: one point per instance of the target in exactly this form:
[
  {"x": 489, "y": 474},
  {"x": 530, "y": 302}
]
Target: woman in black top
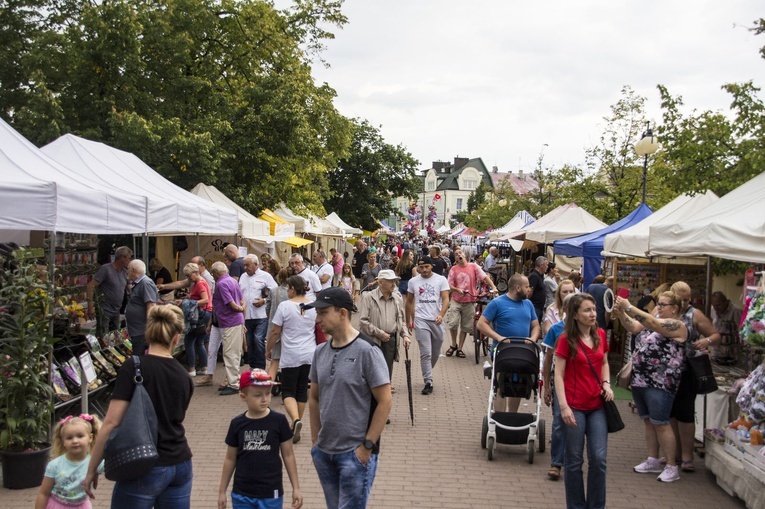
[{"x": 168, "y": 484}]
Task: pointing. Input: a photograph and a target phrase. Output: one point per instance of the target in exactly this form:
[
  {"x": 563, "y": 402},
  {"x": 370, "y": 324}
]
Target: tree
[
  {"x": 477, "y": 197},
  {"x": 364, "y": 182}
]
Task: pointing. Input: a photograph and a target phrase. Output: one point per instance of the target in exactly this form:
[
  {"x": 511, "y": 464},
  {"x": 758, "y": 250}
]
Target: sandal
[
  {"x": 451, "y": 351},
  {"x": 687, "y": 466},
  {"x": 554, "y": 473},
  {"x": 460, "y": 354}
]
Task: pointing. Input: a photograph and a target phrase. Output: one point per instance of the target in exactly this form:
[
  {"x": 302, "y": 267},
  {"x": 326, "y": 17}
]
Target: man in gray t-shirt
[
  {"x": 143, "y": 296},
  {"x": 111, "y": 280},
  {"x": 347, "y": 415}
]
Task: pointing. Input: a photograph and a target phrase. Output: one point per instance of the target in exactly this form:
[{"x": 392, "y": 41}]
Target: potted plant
[{"x": 26, "y": 396}]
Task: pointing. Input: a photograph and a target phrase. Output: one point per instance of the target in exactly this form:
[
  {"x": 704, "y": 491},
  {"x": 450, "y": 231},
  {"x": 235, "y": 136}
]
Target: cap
[
  {"x": 336, "y": 296},
  {"x": 427, "y": 260},
  {"x": 388, "y": 274},
  {"x": 255, "y": 377}
]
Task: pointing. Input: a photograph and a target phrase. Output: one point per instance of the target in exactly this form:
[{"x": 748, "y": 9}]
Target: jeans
[
  {"x": 345, "y": 480},
  {"x": 195, "y": 346},
  {"x": 593, "y": 426},
  {"x": 654, "y": 404},
  {"x": 162, "y": 488},
  {"x": 558, "y": 437},
  {"x": 255, "y": 330}
]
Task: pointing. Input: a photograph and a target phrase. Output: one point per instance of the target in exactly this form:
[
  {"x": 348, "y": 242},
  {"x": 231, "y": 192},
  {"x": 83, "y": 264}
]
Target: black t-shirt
[
  {"x": 237, "y": 268},
  {"x": 439, "y": 266},
  {"x": 170, "y": 388},
  {"x": 361, "y": 259},
  {"x": 537, "y": 283},
  {"x": 165, "y": 275},
  {"x": 258, "y": 471}
]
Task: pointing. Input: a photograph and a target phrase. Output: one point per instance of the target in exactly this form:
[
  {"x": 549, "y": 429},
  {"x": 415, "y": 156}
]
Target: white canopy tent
[
  {"x": 520, "y": 220},
  {"x": 37, "y": 193},
  {"x": 633, "y": 242},
  {"x": 564, "y": 222},
  {"x": 170, "y": 209},
  {"x": 250, "y": 227},
  {"x": 335, "y": 220},
  {"x": 732, "y": 228}
]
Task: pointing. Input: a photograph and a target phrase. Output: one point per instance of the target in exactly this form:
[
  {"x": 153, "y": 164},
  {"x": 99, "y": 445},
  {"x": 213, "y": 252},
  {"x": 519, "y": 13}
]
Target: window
[
  {"x": 469, "y": 184},
  {"x": 431, "y": 186},
  {"x": 459, "y": 203}
]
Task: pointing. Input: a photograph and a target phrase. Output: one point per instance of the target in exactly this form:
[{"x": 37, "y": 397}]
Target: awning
[{"x": 297, "y": 241}]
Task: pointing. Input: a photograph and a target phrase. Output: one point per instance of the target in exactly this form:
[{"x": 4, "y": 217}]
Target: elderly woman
[
  {"x": 369, "y": 272},
  {"x": 194, "y": 340},
  {"x": 168, "y": 483},
  {"x": 296, "y": 327},
  {"x": 656, "y": 369}
]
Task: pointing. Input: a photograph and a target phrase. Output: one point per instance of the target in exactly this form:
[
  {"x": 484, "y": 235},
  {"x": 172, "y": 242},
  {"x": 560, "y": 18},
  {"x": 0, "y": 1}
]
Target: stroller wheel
[
  {"x": 490, "y": 447},
  {"x": 484, "y": 431}
]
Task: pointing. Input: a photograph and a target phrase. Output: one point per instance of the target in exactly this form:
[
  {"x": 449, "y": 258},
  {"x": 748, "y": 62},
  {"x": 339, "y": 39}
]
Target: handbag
[
  {"x": 131, "y": 450},
  {"x": 703, "y": 377},
  {"x": 613, "y": 417}
]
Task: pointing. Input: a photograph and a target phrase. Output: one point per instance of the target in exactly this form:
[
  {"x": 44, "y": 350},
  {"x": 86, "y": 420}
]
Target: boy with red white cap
[{"x": 255, "y": 440}]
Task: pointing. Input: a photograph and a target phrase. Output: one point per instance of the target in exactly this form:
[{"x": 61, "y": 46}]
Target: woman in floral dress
[{"x": 656, "y": 369}]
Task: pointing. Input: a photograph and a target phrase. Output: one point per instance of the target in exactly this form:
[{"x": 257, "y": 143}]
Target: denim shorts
[{"x": 653, "y": 404}]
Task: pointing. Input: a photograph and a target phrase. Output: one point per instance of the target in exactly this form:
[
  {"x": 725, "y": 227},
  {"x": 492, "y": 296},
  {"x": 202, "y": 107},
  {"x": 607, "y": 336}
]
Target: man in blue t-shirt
[{"x": 511, "y": 315}]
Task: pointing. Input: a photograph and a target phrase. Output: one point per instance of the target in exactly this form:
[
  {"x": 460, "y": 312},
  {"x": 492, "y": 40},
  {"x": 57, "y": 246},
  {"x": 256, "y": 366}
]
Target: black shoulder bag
[
  {"x": 613, "y": 417},
  {"x": 131, "y": 450}
]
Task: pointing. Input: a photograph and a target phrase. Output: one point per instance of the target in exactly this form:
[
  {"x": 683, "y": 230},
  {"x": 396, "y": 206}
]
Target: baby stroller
[{"x": 516, "y": 373}]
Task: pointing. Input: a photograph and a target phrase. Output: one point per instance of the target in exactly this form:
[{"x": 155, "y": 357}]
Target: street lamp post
[{"x": 647, "y": 145}]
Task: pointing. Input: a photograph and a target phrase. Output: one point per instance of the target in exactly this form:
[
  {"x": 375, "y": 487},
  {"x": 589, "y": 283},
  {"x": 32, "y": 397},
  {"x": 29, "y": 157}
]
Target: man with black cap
[
  {"x": 427, "y": 300},
  {"x": 347, "y": 417}
]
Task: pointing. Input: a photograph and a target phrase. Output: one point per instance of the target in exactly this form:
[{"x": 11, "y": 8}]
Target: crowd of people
[{"x": 278, "y": 318}]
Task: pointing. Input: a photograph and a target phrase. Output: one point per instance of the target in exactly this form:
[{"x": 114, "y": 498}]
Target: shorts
[
  {"x": 242, "y": 502},
  {"x": 684, "y": 407},
  {"x": 295, "y": 383},
  {"x": 460, "y": 315},
  {"x": 653, "y": 404}
]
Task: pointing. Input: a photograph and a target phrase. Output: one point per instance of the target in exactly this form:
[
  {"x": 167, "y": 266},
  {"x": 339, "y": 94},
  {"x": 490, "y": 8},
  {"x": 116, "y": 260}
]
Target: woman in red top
[{"x": 581, "y": 365}]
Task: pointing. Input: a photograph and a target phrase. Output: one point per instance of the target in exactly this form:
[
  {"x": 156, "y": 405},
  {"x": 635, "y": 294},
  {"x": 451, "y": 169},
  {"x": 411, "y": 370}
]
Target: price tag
[{"x": 87, "y": 367}]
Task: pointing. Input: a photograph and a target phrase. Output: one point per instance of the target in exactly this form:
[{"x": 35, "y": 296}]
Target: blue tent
[{"x": 590, "y": 246}]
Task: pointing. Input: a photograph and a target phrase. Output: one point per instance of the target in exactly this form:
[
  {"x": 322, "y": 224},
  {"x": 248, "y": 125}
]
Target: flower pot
[{"x": 22, "y": 470}]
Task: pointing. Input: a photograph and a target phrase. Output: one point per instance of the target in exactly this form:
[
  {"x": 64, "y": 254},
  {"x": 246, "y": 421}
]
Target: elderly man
[
  {"x": 313, "y": 284},
  {"x": 381, "y": 317},
  {"x": 235, "y": 261},
  {"x": 256, "y": 285},
  {"x": 510, "y": 316},
  {"x": 464, "y": 278},
  {"x": 490, "y": 263},
  {"x": 111, "y": 280},
  {"x": 322, "y": 268},
  {"x": 228, "y": 309},
  {"x": 142, "y": 297},
  {"x": 538, "y": 295}
]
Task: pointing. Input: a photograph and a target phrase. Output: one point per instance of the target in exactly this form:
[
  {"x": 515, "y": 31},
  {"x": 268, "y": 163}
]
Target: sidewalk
[{"x": 439, "y": 462}]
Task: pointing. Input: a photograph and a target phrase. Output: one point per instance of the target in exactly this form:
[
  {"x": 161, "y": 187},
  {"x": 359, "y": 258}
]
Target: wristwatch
[{"x": 368, "y": 444}]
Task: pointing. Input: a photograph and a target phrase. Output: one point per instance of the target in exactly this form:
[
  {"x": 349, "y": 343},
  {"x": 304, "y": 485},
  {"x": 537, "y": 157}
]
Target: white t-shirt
[
  {"x": 252, "y": 290},
  {"x": 313, "y": 284},
  {"x": 427, "y": 295},
  {"x": 325, "y": 269},
  {"x": 298, "y": 336}
]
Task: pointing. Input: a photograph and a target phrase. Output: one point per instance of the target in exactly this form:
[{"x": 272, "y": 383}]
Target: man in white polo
[{"x": 323, "y": 269}]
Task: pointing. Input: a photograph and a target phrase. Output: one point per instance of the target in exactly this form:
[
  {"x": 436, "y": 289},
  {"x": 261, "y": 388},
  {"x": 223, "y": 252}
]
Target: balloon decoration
[{"x": 415, "y": 220}]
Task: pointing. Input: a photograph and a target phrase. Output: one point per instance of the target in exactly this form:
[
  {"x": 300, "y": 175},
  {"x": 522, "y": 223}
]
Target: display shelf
[{"x": 637, "y": 277}]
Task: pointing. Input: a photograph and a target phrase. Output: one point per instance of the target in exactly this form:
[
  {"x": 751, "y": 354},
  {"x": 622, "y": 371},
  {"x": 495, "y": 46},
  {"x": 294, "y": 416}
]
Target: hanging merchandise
[{"x": 753, "y": 328}]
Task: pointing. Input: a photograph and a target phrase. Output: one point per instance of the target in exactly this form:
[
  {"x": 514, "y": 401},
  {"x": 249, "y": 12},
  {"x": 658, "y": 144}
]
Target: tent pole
[
  {"x": 145, "y": 248},
  {"x": 708, "y": 302},
  {"x": 52, "y": 290},
  {"x": 196, "y": 244},
  {"x": 134, "y": 245}
]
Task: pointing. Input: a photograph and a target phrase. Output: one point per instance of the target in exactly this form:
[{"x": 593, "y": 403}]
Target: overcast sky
[{"x": 500, "y": 78}]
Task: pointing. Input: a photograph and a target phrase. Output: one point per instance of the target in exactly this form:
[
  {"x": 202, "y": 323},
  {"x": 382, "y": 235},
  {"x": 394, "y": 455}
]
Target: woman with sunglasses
[{"x": 656, "y": 369}]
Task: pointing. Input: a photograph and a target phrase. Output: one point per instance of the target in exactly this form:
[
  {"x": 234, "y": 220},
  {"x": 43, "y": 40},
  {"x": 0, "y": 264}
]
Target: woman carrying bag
[
  {"x": 168, "y": 482},
  {"x": 581, "y": 346}
]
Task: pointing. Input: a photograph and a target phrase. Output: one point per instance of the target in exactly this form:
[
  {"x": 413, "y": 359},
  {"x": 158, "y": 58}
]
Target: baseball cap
[
  {"x": 387, "y": 274},
  {"x": 426, "y": 260},
  {"x": 335, "y": 296},
  {"x": 255, "y": 377}
]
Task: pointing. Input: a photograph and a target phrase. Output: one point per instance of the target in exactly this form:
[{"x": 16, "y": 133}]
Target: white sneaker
[
  {"x": 669, "y": 474},
  {"x": 193, "y": 373},
  {"x": 651, "y": 465}
]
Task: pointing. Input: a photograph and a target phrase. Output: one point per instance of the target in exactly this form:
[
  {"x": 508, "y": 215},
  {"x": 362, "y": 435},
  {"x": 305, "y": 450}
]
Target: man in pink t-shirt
[
  {"x": 337, "y": 262},
  {"x": 463, "y": 283}
]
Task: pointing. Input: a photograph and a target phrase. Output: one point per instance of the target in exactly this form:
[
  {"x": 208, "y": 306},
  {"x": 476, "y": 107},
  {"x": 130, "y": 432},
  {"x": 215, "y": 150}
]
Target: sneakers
[
  {"x": 229, "y": 391},
  {"x": 193, "y": 372},
  {"x": 205, "y": 381},
  {"x": 427, "y": 389},
  {"x": 651, "y": 465},
  {"x": 296, "y": 427},
  {"x": 669, "y": 474}
]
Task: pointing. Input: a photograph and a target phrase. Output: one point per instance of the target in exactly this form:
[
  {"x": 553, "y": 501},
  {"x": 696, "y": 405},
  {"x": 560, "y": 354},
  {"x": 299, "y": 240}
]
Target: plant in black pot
[{"x": 26, "y": 397}]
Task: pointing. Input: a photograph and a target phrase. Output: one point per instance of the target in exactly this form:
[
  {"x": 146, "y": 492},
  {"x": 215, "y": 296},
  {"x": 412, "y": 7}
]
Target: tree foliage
[
  {"x": 214, "y": 91},
  {"x": 374, "y": 172}
]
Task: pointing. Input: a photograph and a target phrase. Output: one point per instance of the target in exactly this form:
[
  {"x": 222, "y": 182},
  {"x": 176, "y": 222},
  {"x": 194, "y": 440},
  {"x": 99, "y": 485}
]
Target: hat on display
[
  {"x": 255, "y": 377},
  {"x": 388, "y": 274},
  {"x": 335, "y": 296}
]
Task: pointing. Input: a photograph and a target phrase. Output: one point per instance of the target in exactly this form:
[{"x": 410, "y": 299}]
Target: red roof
[{"x": 522, "y": 183}]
